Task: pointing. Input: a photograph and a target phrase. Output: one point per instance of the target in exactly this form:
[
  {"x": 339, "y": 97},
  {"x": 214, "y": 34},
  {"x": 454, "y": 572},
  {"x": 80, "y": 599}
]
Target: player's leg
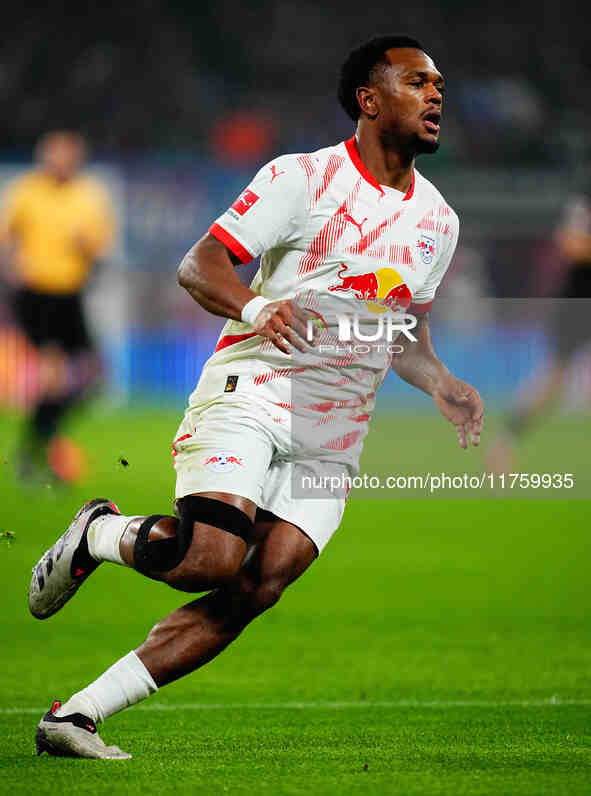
[
  {"x": 194, "y": 634},
  {"x": 182, "y": 642},
  {"x": 198, "y": 551},
  {"x": 201, "y": 548},
  {"x": 537, "y": 399},
  {"x": 36, "y": 315}
]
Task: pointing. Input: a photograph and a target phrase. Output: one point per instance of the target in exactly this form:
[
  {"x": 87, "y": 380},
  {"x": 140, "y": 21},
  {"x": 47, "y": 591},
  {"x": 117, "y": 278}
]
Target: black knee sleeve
[{"x": 166, "y": 554}]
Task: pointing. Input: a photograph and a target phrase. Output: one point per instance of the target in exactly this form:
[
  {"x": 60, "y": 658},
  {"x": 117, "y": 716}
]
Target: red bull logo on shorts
[
  {"x": 382, "y": 290},
  {"x": 223, "y": 462}
]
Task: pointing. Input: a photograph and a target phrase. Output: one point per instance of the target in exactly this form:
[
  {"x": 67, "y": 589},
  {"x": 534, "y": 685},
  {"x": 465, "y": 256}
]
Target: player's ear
[{"x": 366, "y": 97}]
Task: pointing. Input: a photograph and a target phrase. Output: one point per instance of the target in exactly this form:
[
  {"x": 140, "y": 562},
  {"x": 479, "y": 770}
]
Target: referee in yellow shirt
[{"x": 55, "y": 222}]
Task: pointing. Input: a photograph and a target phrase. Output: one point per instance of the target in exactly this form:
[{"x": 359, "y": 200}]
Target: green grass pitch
[{"x": 438, "y": 646}]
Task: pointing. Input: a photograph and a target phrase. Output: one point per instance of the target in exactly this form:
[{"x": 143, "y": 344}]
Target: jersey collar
[{"x": 351, "y": 147}]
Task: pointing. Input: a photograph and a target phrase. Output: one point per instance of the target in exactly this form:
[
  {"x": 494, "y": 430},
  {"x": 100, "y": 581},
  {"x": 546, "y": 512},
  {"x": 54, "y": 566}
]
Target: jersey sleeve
[
  {"x": 270, "y": 212},
  {"x": 424, "y": 297}
]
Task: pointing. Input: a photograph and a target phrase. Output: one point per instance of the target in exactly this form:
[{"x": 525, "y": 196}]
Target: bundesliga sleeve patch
[{"x": 245, "y": 201}]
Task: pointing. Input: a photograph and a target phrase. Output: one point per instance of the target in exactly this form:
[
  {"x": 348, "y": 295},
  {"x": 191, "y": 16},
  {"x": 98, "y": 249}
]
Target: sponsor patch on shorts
[{"x": 231, "y": 384}]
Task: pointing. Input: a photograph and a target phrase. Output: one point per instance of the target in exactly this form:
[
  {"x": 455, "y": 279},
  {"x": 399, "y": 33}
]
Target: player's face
[
  {"x": 409, "y": 98},
  {"x": 62, "y": 157}
]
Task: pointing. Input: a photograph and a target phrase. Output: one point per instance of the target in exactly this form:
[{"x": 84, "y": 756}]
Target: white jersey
[{"x": 326, "y": 228}]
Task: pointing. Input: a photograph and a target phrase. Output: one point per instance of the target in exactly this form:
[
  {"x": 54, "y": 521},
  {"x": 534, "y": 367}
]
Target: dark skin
[
  {"x": 457, "y": 401},
  {"x": 395, "y": 106},
  {"x": 194, "y": 634},
  {"x": 400, "y": 110},
  {"x": 400, "y": 118}
]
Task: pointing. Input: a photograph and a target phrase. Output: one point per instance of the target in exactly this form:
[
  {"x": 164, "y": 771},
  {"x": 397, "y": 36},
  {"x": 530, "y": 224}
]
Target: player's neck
[
  {"x": 389, "y": 165},
  {"x": 56, "y": 178}
]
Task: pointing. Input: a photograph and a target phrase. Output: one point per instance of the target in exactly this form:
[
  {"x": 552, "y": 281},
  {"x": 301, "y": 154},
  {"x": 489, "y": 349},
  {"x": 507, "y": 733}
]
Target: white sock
[
  {"x": 122, "y": 685},
  {"x": 104, "y": 535}
]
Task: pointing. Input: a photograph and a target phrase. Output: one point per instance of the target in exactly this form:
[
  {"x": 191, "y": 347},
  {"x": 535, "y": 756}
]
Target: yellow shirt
[{"x": 46, "y": 219}]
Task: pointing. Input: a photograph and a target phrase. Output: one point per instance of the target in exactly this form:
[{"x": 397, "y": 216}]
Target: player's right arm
[
  {"x": 207, "y": 274},
  {"x": 265, "y": 215}
]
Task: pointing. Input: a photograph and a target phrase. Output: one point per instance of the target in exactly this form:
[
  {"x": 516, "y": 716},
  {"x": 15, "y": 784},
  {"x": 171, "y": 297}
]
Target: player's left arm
[{"x": 457, "y": 401}]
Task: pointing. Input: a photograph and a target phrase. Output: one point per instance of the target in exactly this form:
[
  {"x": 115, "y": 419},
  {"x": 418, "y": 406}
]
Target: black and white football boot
[
  {"x": 74, "y": 735},
  {"x": 65, "y": 566}
]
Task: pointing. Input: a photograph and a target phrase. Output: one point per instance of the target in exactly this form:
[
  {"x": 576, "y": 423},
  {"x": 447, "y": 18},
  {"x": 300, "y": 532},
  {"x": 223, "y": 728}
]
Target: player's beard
[
  {"x": 409, "y": 146},
  {"x": 425, "y": 147}
]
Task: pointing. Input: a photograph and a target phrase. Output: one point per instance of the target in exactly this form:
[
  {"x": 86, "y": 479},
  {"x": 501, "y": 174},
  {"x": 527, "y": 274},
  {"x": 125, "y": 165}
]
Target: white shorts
[{"x": 245, "y": 448}]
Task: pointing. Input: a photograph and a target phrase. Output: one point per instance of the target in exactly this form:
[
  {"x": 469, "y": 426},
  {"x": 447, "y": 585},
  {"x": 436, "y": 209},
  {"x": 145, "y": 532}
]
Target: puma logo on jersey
[
  {"x": 275, "y": 173},
  {"x": 358, "y": 224}
]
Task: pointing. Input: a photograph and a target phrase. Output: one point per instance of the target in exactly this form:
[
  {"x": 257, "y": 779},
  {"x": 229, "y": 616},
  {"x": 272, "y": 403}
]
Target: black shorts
[
  {"x": 572, "y": 319},
  {"x": 577, "y": 283},
  {"x": 53, "y": 319}
]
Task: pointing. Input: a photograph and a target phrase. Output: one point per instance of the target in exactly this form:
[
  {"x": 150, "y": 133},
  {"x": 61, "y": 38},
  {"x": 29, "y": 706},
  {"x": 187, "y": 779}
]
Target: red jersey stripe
[
  {"x": 334, "y": 164},
  {"x": 371, "y": 237},
  {"x": 231, "y": 243},
  {"x": 327, "y": 237}
]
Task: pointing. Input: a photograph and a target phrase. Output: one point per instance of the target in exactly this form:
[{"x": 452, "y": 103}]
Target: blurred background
[{"x": 180, "y": 104}]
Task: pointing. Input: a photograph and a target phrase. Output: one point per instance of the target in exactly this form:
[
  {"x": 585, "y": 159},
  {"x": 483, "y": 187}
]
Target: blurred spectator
[
  {"x": 54, "y": 223},
  {"x": 570, "y": 329},
  {"x": 243, "y": 137}
]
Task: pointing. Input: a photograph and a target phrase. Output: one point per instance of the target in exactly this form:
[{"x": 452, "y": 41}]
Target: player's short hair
[{"x": 361, "y": 63}]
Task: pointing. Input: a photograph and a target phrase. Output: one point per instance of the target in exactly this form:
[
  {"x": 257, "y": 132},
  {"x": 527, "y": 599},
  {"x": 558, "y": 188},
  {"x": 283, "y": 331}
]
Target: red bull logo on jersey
[
  {"x": 382, "y": 290},
  {"x": 426, "y": 246},
  {"x": 223, "y": 462}
]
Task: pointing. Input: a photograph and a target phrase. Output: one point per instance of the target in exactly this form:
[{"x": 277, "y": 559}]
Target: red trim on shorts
[
  {"x": 230, "y": 339},
  {"x": 351, "y": 147},
  {"x": 235, "y": 247},
  {"x": 420, "y": 309}
]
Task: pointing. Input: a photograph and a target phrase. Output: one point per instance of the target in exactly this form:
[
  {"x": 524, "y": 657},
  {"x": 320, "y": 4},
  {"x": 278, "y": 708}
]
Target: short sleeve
[
  {"x": 270, "y": 212},
  {"x": 424, "y": 297}
]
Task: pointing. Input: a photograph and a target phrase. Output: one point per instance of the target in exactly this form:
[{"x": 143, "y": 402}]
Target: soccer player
[
  {"x": 354, "y": 220},
  {"x": 54, "y": 222},
  {"x": 569, "y": 331}
]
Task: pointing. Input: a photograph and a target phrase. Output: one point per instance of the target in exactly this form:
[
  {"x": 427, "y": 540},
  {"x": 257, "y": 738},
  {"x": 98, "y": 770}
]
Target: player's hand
[
  {"x": 283, "y": 323},
  {"x": 461, "y": 404}
]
